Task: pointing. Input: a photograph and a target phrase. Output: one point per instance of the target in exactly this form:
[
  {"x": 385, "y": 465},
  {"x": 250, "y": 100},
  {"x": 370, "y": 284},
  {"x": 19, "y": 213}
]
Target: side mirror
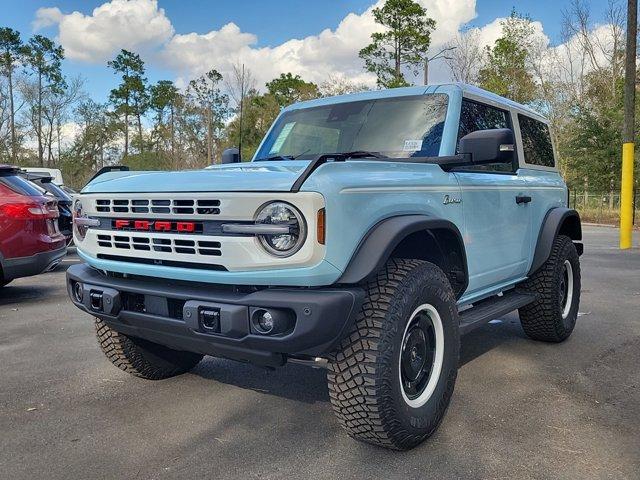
[
  {"x": 488, "y": 146},
  {"x": 231, "y": 155}
]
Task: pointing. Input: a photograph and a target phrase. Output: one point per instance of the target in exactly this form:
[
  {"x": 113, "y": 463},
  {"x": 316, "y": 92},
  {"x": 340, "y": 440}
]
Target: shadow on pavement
[
  {"x": 307, "y": 384},
  {"x": 12, "y": 294},
  {"x": 295, "y": 382},
  {"x": 35, "y": 287},
  {"x": 488, "y": 337}
]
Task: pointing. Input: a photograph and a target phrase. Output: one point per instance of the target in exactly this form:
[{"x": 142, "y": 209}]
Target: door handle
[{"x": 522, "y": 199}]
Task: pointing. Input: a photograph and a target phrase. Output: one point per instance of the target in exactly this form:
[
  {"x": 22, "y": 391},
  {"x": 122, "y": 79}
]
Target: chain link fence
[{"x": 601, "y": 207}]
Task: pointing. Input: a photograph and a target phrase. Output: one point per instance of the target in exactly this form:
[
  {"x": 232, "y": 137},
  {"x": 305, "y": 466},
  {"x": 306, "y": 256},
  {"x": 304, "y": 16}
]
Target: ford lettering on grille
[{"x": 157, "y": 226}]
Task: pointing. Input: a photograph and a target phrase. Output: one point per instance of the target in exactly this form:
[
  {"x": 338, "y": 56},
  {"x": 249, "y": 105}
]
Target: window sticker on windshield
[
  {"x": 412, "y": 145},
  {"x": 284, "y": 133}
]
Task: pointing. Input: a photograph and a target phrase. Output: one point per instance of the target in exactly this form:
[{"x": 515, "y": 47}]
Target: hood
[{"x": 277, "y": 176}]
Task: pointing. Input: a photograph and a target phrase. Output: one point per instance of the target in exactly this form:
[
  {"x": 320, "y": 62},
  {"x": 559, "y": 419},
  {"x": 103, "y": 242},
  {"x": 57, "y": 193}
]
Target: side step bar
[{"x": 492, "y": 308}]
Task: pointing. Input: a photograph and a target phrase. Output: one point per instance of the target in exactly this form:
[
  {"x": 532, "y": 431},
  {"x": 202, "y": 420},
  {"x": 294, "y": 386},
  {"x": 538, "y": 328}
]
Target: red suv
[{"x": 30, "y": 242}]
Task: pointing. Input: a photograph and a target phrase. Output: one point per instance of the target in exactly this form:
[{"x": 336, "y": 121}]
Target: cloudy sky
[{"x": 312, "y": 38}]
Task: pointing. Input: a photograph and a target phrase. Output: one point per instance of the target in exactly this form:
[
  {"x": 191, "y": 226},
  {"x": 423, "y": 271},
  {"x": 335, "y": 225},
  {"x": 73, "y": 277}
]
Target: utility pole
[{"x": 628, "y": 133}]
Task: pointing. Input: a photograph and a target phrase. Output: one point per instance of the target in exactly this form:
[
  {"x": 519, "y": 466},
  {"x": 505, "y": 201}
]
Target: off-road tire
[
  {"x": 542, "y": 320},
  {"x": 363, "y": 375},
  {"x": 143, "y": 358},
  {"x": 4, "y": 281}
]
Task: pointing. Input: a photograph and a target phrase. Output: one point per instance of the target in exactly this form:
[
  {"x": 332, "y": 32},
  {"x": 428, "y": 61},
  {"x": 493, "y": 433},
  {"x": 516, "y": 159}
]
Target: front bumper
[
  {"x": 33, "y": 265},
  {"x": 168, "y": 312}
]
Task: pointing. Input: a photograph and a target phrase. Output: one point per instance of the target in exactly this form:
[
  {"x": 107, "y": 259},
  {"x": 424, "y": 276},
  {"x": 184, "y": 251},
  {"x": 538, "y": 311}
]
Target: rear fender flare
[{"x": 558, "y": 221}]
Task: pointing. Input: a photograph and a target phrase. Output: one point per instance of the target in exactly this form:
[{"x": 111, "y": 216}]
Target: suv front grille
[
  {"x": 159, "y": 206},
  {"x": 160, "y": 244}
]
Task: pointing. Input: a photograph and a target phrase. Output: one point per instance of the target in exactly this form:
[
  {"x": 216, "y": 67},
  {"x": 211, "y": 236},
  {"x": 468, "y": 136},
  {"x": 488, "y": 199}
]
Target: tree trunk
[
  {"x": 397, "y": 59},
  {"x": 13, "y": 117},
  {"x": 426, "y": 71},
  {"x": 611, "y": 195},
  {"x": 209, "y": 138},
  {"x": 173, "y": 138},
  {"x": 59, "y": 131},
  {"x": 126, "y": 130},
  {"x": 39, "y": 128},
  {"x": 160, "y": 141},
  {"x": 140, "y": 133},
  {"x": 101, "y": 154},
  {"x": 50, "y": 144}
]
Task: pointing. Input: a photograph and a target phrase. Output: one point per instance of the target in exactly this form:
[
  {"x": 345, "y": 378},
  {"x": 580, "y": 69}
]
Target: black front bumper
[
  {"x": 168, "y": 313},
  {"x": 33, "y": 265}
]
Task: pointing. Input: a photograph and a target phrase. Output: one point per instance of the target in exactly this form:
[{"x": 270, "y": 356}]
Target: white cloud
[
  {"x": 46, "y": 17},
  {"x": 131, "y": 24},
  {"x": 314, "y": 57},
  {"x": 141, "y": 26}
]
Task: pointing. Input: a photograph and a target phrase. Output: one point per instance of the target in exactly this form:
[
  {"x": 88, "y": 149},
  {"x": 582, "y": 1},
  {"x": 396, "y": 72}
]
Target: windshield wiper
[
  {"x": 282, "y": 157},
  {"x": 275, "y": 157},
  {"x": 363, "y": 154},
  {"x": 354, "y": 154}
]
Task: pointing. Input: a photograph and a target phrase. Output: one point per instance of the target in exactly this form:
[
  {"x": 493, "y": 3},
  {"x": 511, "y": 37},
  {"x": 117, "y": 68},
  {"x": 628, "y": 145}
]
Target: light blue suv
[{"x": 368, "y": 233}]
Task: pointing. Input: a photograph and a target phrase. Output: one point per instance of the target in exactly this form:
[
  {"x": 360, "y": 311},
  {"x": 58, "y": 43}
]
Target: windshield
[{"x": 394, "y": 127}]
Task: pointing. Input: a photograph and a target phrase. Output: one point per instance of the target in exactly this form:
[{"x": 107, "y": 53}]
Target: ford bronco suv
[{"x": 367, "y": 234}]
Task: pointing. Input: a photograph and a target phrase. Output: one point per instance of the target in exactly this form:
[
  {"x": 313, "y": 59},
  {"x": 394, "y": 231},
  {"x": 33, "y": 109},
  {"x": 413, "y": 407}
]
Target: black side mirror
[
  {"x": 231, "y": 155},
  {"x": 488, "y": 146}
]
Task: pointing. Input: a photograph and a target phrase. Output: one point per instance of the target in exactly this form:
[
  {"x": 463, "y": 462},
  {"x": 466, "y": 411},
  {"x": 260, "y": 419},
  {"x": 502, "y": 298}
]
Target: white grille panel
[
  {"x": 160, "y": 206},
  {"x": 182, "y": 246}
]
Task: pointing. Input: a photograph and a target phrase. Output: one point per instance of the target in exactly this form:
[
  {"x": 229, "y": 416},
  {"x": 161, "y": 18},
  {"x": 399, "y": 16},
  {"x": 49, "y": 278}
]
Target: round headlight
[
  {"x": 79, "y": 230},
  {"x": 281, "y": 214}
]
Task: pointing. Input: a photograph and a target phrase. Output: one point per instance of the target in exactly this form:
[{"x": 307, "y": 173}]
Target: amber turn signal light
[{"x": 321, "y": 226}]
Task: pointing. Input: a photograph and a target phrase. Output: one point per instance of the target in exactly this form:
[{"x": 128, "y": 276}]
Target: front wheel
[
  {"x": 143, "y": 358},
  {"x": 392, "y": 377}
]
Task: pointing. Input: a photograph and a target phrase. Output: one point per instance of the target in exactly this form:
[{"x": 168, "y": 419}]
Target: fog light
[
  {"x": 271, "y": 322},
  {"x": 78, "y": 292},
  {"x": 264, "y": 322}
]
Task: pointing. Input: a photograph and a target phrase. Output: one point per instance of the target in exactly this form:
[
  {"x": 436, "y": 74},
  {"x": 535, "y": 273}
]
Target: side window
[
  {"x": 476, "y": 116},
  {"x": 536, "y": 142}
]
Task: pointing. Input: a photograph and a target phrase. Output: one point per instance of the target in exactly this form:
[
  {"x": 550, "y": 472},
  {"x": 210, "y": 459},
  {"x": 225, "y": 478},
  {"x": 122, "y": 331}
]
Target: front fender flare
[{"x": 377, "y": 246}]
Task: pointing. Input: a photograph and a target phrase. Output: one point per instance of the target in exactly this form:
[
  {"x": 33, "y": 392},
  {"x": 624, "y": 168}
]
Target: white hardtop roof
[{"x": 467, "y": 90}]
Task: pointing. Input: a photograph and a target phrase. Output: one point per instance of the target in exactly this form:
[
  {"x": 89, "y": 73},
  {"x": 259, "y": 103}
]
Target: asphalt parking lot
[{"x": 521, "y": 409}]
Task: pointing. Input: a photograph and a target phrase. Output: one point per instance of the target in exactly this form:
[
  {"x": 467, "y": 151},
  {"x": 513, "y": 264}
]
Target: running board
[{"x": 492, "y": 308}]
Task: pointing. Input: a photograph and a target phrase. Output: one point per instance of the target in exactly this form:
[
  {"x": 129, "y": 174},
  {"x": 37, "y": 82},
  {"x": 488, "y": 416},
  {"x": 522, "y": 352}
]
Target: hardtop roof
[{"x": 448, "y": 88}]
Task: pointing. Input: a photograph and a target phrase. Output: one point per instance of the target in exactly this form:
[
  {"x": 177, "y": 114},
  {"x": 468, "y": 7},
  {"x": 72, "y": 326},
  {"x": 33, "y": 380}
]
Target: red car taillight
[{"x": 29, "y": 210}]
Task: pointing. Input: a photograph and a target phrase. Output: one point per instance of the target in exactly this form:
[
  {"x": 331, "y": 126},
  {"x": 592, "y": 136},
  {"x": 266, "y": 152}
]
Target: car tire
[
  {"x": 380, "y": 392},
  {"x": 143, "y": 358},
  {"x": 552, "y": 317}
]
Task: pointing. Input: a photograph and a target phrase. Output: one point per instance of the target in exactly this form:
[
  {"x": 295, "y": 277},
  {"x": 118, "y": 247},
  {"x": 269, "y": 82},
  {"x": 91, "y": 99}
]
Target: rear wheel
[
  {"x": 552, "y": 317},
  {"x": 143, "y": 358},
  {"x": 391, "y": 379}
]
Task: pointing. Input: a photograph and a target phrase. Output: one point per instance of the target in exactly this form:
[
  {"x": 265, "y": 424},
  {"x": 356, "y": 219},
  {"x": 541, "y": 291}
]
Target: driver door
[{"x": 497, "y": 227}]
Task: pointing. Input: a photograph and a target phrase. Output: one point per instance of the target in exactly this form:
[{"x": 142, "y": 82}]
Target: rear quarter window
[
  {"x": 21, "y": 185},
  {"x": 536, "y": 142}
]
